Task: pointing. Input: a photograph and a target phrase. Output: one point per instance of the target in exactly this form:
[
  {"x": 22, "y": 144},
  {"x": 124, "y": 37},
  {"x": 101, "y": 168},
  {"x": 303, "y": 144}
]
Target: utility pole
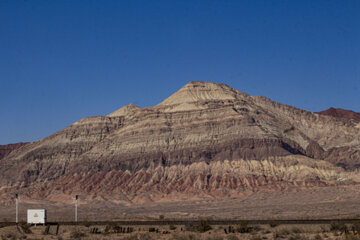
[
  {"x": 76, "y": 202},
  {"x": 17, "y": 207}
]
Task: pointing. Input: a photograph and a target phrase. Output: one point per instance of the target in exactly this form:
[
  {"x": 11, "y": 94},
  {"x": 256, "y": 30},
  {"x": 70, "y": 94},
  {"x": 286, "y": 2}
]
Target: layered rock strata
[{"x": 206, "y": 140}]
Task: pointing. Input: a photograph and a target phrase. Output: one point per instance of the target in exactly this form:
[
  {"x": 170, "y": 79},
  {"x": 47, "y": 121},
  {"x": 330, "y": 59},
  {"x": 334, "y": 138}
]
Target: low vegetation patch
[
  {"x": 195, "y": 230},
  {"x": 337, "y": 227},
  {"x": 77, "y": 234},
  {"x": 318, "y": 237},
  {"x": 185, "y": 236},
  {"x": 243, "y": 227},
  {"x": 172, "y": 227},
  {"x": 201, "y": 226},
  {"x": 232, "y": 237}
]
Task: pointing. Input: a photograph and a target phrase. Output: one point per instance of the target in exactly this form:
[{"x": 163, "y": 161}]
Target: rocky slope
[{"x": 206, "y": 140}]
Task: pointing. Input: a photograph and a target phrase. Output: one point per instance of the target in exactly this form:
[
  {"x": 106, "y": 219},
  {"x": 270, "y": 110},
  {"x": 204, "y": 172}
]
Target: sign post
[
  {"x": 17, "y": 207},
  {"x": 76, "y": 201},
  {"x": 36, "y": 216}
]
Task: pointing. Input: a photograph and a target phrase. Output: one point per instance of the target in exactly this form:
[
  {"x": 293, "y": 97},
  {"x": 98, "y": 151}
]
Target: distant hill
[
  {"x": 7, "y": 149},
  {"x": 341, "y": 113}
]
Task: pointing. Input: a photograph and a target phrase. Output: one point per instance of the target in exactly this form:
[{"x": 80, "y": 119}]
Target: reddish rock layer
[{"x": 341, "y": 113}]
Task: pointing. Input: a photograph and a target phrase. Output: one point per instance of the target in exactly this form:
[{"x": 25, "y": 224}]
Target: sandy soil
[{"x": 328, "y": 202}]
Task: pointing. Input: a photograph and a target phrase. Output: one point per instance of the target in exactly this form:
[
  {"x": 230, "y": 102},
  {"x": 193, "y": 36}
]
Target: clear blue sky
[{"x": 63, "y": 60}]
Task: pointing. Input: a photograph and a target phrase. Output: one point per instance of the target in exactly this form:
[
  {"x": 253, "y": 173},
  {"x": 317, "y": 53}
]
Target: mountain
[
  {"x": 207, "y": 140},
  {"x": 341, "y": 113}
]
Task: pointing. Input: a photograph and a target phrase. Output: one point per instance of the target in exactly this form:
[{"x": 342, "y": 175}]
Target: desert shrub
[
  {"x": 25, "y": 228},
  {"x": 77, "y": 234},
  {"x": 276, "y": 235},
  {"x": 113, "y": 227},
  {"x": 189, "y": 226},
  {"x": 108, "y": 227},
  {"x": 351, "y": 236},
  {"x": 172, "y": 227},
  {"x": 201, "y": 226},
  {"x": 255, "y": 238},
  {"x": 145, "y": 236},
  {"x": 355, "y": 228},
  {"x": 161, "y": 217},
  {"x": 10, "y": 236},
  {"x": 296, "y": 230},
  {"x": 5, "y": 224},
  {"x": 243, "y": 227},
  {"x": 215, "y": 238},
  {"x": 185, "y": 236},
  {"x": 324, "y": 229},
  {"x": 86, "y": 222},
  {"x": 339, "y": 227},
  {"x": 318, "y": 237},
  {"x": 273, "y": 224},
  {"x": 256, "y": 228},
  {"x": 334, "y": 226},
  {"x": 232, "y": 237},
  {"x": 297, "y": 237},
  {"x": 283, "y": 232},
  {"x": 131, "y": 237},
  {"x": 231, "y": 229}
]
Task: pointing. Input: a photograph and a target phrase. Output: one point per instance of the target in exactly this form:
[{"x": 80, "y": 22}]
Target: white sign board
[{"x": 36, "y": 216}]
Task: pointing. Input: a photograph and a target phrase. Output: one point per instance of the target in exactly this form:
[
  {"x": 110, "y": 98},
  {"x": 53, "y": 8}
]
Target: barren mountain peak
[
  {"x": 125, "y": 110},
  {"x": 197, "y": 91}
]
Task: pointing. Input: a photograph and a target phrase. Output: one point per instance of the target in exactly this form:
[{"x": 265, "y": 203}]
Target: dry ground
[
  {"x": 327, "y": 202},
  {"x": 293, "y": 232}
]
